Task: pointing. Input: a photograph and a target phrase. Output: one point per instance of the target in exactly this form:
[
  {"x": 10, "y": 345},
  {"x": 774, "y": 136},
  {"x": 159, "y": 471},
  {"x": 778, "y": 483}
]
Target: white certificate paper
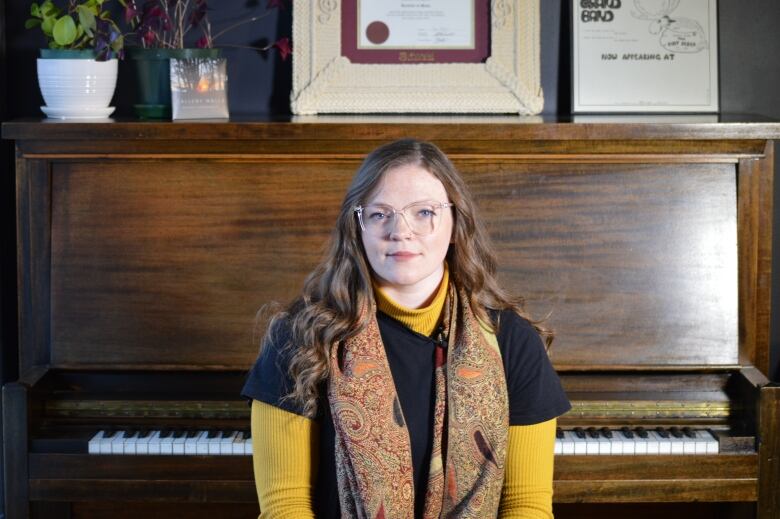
[
  {"x": 645, "y": 56},
  {"x": 422, "y": 24}
]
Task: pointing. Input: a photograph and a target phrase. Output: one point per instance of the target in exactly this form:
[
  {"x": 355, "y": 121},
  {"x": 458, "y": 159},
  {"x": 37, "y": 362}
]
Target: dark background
[{"x": 260, "y": 83}]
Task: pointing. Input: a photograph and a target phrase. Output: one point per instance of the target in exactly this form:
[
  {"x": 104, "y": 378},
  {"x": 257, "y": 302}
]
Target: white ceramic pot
[{"x": 77, "y": 88}]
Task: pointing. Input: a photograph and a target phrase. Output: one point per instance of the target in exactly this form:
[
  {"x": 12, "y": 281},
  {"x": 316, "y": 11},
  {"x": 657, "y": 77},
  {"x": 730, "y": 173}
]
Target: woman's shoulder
[
  {"x": 269, "y": 380},
  {"x": 514, "y": 330}
]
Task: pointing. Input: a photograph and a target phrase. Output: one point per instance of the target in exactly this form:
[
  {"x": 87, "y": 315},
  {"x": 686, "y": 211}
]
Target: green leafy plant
[{"x": 79, "y": 25}]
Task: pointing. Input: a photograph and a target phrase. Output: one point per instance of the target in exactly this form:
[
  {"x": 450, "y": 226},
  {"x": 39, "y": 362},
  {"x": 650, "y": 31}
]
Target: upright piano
[{"x": 148, "y": 251}]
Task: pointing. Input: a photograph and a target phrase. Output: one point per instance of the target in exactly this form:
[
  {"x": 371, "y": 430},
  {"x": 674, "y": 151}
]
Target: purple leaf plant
[{"x": 166, "y": 23}]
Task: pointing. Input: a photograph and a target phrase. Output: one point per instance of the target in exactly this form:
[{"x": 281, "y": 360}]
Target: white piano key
[
  {"x": 226, "y": 443},
  {"x": 248, "y": 446},
  {"x": 202, "y": 445},
  {"x": 627, "y": 445},
  {"x": 664, "y": 444},
  {"x": 166, "y": 445},
  {"x": 591, "y": 445},
  {"x": 710, "y": 441},
  {"x": 130, "y": 442},
  {"x": 238, "y": 443},
  {"x": 118, "y": 443},
  {"x": 214, "y": 443},
  {"x": 179, "y": 446},
  {"x": 105, "y": 442},
  {"x": 616, "y": 443},
  {"x": 640, "y": 445},
  {"x": 142, "y": 445},
  {"x": 93, "y": 447},
  {"x": 604, "y": 446},
  {"x": 700, "y": 444},
  {"x": 580, "y": 445},
  {"x": 558, "y": 449},
  {"x": 190, "y": 443},
  {"x": 689, "y": 445},
  {"x": 568, "y": 442},
  {"x": 153, "y": 447}
]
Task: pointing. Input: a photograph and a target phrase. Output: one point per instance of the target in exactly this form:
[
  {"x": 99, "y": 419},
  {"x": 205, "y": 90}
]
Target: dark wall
[
  {"x": 260, "y": 82},
  {"x": 8, "y": 239}
]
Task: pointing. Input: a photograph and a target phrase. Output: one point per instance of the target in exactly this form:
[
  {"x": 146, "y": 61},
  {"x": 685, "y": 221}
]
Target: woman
[{"x": 404, "y": 382}]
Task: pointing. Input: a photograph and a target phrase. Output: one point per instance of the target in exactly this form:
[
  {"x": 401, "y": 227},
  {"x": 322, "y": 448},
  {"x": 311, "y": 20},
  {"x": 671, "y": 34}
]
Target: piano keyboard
[
  {"x": 632, "y": 442},
  {"x": 172, "y": 442},
  {"x": 575, "y": 442}
]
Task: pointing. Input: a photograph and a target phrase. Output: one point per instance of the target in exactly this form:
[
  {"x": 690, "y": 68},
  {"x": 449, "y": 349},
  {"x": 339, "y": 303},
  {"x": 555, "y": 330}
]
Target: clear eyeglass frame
[{"x": 387, "y": 225}]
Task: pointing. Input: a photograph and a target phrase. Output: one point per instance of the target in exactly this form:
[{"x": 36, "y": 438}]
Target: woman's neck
[
  {"x": 422, "y": 319},
  {"x": 414, "y": 296}
]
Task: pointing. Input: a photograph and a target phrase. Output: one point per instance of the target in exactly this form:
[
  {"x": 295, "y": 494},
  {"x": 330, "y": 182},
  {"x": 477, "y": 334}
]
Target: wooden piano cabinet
[{"x": 146, "y": 249}]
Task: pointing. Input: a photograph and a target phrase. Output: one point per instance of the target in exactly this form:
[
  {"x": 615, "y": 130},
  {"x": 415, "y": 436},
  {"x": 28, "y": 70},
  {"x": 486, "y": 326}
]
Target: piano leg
[
  {"x": 15, "y": 450},
  {"x": 769, "y": 453}
]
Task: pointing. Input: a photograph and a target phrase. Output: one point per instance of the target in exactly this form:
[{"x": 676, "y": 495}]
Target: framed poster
[
  {"x": 416, "y": 56},
  {"x": 645, "y": 56}
]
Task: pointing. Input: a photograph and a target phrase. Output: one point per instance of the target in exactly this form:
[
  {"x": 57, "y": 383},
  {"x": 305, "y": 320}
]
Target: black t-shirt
[{"x": 535, "y": 393}]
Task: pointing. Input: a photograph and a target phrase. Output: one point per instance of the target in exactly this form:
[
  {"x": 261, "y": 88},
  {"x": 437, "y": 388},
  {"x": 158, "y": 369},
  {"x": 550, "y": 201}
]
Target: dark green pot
[
  {"x": 153, "y": 78},
  {"x": 67, "y": 54}
]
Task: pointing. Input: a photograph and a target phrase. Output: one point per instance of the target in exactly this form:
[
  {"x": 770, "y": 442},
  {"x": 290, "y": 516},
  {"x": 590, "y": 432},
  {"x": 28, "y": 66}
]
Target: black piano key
[
  {"x": 580, "y": 432},
  {"x": 180, "y": 433},
  {"x": 165, "y": 433},
  {"x": 559, "y": 433},
  {"x": 606, "y": 433},
  {"x": 688, "y": 432},
  {"x": 144, "y": 433},
  {"x": 129, "y": 433},
  {"x": 213, "y": 433},
  {"x": 627, "y": 432},
  {"x": 593, "y": 432},
  {"x": 676, "y": 432},
  {"x": 641, "y": 432},
  {"x": 190, "y": 434},
  {"x": 663, "y": 433}
]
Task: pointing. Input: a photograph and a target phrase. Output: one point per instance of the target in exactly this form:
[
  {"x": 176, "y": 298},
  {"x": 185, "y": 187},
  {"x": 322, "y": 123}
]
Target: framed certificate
[
  {"x": 645, "y": 56},
  {"x": 429, "y": 31},
  {"x": 416, "y": 56}
]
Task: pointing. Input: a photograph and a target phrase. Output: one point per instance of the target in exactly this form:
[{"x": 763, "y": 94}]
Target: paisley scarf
[{"x": 471, "y": 423}]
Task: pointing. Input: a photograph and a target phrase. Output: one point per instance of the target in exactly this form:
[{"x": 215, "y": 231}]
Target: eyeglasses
[{"x": 422, "y": 218}]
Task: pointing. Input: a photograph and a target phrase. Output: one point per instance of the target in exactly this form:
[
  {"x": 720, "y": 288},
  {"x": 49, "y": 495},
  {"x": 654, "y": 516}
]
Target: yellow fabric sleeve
[
  {"x": 284, "y": 455},
  {"x": 528, "y": 481}
]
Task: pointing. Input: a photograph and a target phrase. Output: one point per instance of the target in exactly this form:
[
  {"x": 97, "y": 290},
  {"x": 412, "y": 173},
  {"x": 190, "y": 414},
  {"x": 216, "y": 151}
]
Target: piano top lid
[{"x": 431, "y": 127}]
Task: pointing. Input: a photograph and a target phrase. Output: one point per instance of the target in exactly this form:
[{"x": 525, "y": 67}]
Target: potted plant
[
  {"x": 77, "y": 72},
  {"x": 164, "y": 29}
]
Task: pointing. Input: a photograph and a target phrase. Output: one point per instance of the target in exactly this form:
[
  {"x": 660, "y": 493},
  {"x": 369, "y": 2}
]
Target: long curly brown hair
[{"x": 329, "y": 309}]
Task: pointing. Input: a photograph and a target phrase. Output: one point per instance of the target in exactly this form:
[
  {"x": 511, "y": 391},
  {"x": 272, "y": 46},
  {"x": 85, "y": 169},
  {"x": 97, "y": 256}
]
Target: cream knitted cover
[{"x": 326, "y": 82}]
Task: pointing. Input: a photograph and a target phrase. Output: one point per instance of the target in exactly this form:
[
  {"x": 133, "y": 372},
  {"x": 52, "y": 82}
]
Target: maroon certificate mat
[{"x": 378, "y": 31}]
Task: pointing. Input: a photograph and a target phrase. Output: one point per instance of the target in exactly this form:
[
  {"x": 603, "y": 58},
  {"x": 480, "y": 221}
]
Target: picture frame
[
  {"x": 326, "y": 81},
  {"x": 199, "y": 88},
  {"x": 644, "y": 56}
]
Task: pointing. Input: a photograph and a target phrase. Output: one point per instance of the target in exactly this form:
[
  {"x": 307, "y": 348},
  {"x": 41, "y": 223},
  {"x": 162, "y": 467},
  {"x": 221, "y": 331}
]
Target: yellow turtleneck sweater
[{"x": 285, "y": 445}]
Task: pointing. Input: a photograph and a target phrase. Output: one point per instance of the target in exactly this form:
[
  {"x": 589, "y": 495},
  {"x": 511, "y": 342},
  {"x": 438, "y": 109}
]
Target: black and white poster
[{"x": 645, "y": 56}]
